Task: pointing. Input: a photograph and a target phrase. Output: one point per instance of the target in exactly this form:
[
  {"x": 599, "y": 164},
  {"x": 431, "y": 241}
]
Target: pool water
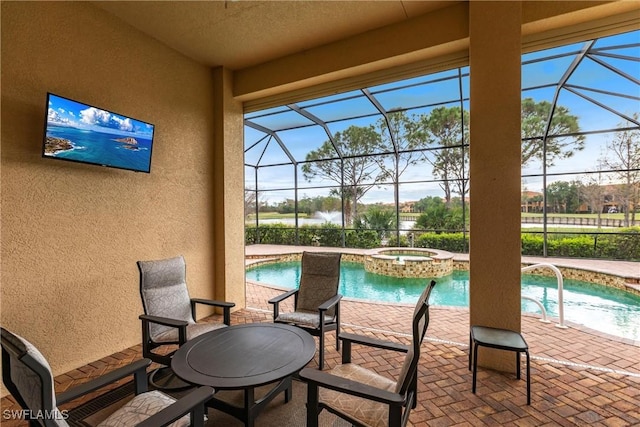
[{"x": 598, "y": 307}]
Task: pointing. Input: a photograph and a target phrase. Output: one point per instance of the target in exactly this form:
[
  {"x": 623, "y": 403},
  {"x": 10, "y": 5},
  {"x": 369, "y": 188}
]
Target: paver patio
[{"x": 579, "y": 376}]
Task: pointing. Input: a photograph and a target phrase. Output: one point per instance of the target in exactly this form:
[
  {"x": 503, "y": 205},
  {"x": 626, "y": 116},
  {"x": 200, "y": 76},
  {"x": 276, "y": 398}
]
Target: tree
[
  {"x": 448, "y": 127},
  {"x": 286, "y": 206},
  {"x": 250, "y": 197},
  {"x": 592, "y": 190},
  {"x": 438, "y": 216},
  {"x": 376, "y": 218},
  {"x": 425, "y": 203},
  {"x": 563, "y": 196},
  {"x": 360, "y": 172},
  {"x": 251, "y": 201},
  {"x": 623, "y": 157},
  {"x": 535, "y": 116},
  {"x": 400, "y": 137}
]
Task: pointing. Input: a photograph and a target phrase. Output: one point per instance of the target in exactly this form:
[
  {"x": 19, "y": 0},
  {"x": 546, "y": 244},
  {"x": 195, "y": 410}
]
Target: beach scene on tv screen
[{"x": 83, "y": 133}]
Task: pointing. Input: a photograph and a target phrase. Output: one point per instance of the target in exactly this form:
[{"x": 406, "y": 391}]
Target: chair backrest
[
  {"x": 419, "y": 329},
  {"x": 163, "y": 289},
  {"x": 27, "y": 375},
  {"x": 319, "y": 280}
]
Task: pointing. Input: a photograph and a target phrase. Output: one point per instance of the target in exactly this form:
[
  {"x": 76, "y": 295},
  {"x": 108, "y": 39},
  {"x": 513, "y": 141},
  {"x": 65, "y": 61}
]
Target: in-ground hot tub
[{"x": 409, "y": 262}]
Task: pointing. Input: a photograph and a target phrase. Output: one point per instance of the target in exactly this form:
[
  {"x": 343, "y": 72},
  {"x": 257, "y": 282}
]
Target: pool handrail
[
  {"x": 540, "y": 306},
  {"x": 560, "y": 281}
]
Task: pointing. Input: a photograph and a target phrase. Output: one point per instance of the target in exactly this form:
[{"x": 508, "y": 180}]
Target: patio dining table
[{"x": 244, "y": 357}]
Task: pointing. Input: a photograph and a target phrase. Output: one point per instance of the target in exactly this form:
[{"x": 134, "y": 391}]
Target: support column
[
  {"x": 495, "y": 169},
  {"x": 228, "y": 191}
]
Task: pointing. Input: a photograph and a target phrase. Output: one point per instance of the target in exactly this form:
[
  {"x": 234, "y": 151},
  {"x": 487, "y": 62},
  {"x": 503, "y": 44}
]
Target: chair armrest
[
  {"x": 277, "y": 300},
  {"x": 226, "y": 308},
  {"x": 347, "y": 386},
  {"x": 137, "y": 368},
  {"x": 348, "y": 338},
  {"x": 283, "y": 296},
  {"x": 224, "y": 304},
  {"x": 163, "y": 321},
  {"x": 330, "y": 302},
  {"x": 192, "y": 403}
]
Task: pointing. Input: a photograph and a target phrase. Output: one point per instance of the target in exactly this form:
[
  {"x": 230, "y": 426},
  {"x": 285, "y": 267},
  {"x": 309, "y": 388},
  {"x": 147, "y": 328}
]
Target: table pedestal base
[{"x": 251, "y": 407}]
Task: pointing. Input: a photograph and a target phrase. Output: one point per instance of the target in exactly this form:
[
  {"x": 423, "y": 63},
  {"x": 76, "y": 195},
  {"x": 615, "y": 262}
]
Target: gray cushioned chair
[
  {"x": 170, "y": 313},
  {"x": 361, "y": 396},
  {"x": 27, "y": 376},
  {"x": 316, "y": 301}
]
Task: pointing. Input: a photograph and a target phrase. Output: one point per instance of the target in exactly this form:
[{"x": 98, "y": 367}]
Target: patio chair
[
  {"x": 27, "y": 376},
  {"x": 316, "y": 301},
  {"x": 169, "y": 314},
  {"x": 361, "y": 396}
]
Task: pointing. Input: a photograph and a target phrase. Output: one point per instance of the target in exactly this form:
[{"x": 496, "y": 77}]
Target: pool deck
[{"x": 579, "y": 376}]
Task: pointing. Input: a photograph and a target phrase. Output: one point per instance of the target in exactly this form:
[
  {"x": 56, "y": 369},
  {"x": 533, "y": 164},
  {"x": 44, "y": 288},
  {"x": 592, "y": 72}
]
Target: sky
[
  {"x": 66, "y": 112},
  {"x": 581, "y": 95}
]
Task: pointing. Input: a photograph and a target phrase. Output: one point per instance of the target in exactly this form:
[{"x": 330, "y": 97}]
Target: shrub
[
  {"x": 330, "y": 235},
  {"x": 277, "y": 234},
  {"x": 308, "y": 235},
  {"x": 628, "y": 245},
  {"x": 365, "y": 239},
  {"x": 452, "y": 242},
  {"x": 532, "y": 244},
  {"x": 619, "y": 246},
  {"x": 250, "y": 235},
  {"x": 402, "y": 243},
  {"x": 575, "y": 247},
  {"x": 624, "y": 245}
]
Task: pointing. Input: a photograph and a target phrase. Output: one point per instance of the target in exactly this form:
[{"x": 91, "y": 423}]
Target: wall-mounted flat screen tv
[{"x": 83, "y": 133}]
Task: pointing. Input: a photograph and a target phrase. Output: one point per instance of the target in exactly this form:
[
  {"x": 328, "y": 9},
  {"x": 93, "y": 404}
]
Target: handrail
[
  {"x": 560, "y": 289},
  {"x": 542, "y": 309}
]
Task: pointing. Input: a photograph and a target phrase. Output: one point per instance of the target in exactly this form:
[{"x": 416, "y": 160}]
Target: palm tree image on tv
[{"x": 83, "y": 133}]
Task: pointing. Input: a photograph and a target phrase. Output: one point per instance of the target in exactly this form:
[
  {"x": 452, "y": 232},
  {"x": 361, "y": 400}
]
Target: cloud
[
  {"x": 61, "y": 110},
  {"x": 54, "y": 117},
  {"x": 123, "y": 124},
  {"x": 95, "y": 117}
]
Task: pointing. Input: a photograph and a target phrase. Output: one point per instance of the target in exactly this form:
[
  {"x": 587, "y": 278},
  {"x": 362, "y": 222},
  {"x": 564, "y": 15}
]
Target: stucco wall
[{"x": 72, "y": 233}]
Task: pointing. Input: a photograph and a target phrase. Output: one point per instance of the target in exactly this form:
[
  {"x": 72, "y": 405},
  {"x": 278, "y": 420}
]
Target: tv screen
[{"x": 80, "y": 132}]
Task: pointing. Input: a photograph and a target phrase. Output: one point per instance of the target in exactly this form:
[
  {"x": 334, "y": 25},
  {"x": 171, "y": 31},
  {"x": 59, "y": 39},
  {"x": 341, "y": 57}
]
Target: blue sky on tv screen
[{"x": 66, "y": 112}]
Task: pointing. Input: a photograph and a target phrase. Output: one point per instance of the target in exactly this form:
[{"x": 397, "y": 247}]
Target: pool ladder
[{"x": 560, "y": 299}]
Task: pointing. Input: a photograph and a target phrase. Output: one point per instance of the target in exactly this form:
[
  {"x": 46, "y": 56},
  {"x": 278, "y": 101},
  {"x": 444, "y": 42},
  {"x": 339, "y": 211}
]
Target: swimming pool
[{"x": 598, "y": 307}]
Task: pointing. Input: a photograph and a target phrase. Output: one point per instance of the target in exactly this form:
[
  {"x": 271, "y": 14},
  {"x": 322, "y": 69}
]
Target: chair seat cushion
[
  {"x": 368, "y": 412},
  {"x": 193, "y": 330},
  {"x": 140, "y": 408},
  {"x": 304, "y": 318}
]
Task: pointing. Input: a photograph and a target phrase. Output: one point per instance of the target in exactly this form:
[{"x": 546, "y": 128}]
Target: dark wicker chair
[
  {"x": 27, "y": 376},
  {"x": 361, "y": 396},
  {"x": 316, "y": 301},
  {"x": 169, "y": 315}
]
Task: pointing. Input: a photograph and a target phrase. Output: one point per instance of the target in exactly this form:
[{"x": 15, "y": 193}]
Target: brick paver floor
[{"x": 578, "y": 377}]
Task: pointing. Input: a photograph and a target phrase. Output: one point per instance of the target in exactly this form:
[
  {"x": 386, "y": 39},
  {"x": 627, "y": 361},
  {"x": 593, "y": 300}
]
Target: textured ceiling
[{"x": 240, "y": 34}]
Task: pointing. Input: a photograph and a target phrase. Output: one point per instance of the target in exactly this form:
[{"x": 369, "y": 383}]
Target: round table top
[{"x": 242, "y": 356}]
